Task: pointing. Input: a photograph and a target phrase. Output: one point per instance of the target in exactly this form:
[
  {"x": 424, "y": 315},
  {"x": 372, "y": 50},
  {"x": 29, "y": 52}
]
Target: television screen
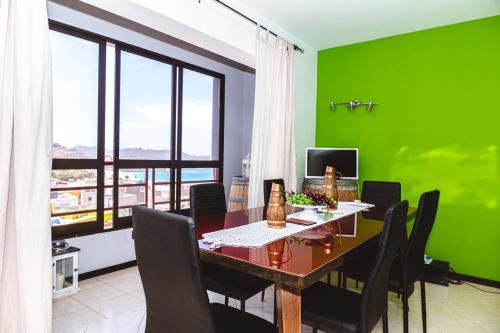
[{"x": 344, "y": 160}]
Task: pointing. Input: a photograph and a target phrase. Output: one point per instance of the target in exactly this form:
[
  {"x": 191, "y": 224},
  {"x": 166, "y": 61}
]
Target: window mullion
[{"x": 178, "y": 155}]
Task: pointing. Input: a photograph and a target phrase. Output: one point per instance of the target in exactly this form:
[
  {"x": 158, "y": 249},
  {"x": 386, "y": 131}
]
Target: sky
[{"x": 145, "y": 99}]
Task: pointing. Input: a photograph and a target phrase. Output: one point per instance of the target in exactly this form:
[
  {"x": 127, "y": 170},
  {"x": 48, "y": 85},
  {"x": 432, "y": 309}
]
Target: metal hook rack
[{"x": 352, "y": 105}]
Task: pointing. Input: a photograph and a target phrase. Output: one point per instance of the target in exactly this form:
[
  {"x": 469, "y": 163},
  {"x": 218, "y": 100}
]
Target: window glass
[
  {"x": 75, "y": 76},
  {"x": 145, "y": 108},
  {"x": 73, "y": 196},
  {"x": 192, "y": 176},
  {"x": 200, "y": 116}
]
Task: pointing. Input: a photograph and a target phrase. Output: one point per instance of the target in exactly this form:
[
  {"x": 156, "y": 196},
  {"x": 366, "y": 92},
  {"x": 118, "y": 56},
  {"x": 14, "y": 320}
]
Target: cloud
[
  {"x": 155, "y": 113},
  {"x": 197, "y": 114}
]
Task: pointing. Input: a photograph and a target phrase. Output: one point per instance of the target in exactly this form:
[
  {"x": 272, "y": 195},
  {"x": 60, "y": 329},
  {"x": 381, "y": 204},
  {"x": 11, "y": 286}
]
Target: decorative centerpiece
[
  {"x": 311, "y": 202},
  {"x": 330, "y": 185},
  {"x": 276, "y": 212}
]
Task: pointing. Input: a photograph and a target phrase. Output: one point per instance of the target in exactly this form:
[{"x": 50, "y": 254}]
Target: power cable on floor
[{"x": 458, "y": 282}]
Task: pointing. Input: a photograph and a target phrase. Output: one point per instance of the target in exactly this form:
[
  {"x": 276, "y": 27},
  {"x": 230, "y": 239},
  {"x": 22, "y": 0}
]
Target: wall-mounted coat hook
[{"x": 352, "y": 105}]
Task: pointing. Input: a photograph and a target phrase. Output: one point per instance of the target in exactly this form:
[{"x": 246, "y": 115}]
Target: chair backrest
[
  {"x": 207, "y": 199},
  {"x": 381, "y": 193},
  {"x": 268, "y": 184},
  {"x": 413, "y": 256},
  {"x": 374, "y": 296},
  {"x": 167, "y": 254}
]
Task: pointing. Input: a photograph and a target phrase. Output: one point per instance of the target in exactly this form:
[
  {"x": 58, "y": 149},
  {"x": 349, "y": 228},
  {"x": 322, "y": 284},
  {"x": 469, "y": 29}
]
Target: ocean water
[{"x": 187, "y": 175}]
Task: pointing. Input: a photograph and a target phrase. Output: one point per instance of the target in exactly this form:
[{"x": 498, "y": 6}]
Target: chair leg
[
  {"x": 339, "y": 279},
  {"x": 242, "y": 305},
  {"x": 275, "y": 319},
  {"x": 329, "y": 278},
  {"x": 262, "y": 295},
  {"x": 315, "y": 330},
  {"x": 422, "y": 300},
  {"x": 405, "y": 310},
  {"x": 226, "y": 301},
  {"x": 344, "y": 281},
  {"x": 385, "y": 323},
  {"x": 357, "y": 284}
]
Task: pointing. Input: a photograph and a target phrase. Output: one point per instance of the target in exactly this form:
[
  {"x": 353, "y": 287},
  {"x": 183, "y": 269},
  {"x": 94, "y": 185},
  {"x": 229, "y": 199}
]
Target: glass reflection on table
[{"x": 301, "y": 253}]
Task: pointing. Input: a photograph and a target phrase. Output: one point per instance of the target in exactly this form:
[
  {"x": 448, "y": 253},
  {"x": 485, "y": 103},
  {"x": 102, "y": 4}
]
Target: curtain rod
[{"x": 295, "y": 47}]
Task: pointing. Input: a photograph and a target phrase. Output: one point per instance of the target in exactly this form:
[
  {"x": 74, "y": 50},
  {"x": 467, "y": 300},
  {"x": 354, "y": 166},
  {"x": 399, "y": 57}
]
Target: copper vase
[
  {"x": 330, "y": 183},
  {"x": 276, "y": 212}
]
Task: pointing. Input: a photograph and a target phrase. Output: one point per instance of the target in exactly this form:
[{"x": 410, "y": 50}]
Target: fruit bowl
[
  {"x": 310, "y": 212},
  {"x": 309, "y": 206},
  {"x": 310, "y": 202}
]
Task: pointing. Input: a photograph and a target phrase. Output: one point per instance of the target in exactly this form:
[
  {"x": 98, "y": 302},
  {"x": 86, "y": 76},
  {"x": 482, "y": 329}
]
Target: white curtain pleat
[
  {"x": 273, "y": 140},
  {"x": 25, "y": 165}
]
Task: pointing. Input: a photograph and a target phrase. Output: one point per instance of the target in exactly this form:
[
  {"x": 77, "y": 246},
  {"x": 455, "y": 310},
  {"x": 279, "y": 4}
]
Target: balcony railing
[{"x": 150, "y": 197}]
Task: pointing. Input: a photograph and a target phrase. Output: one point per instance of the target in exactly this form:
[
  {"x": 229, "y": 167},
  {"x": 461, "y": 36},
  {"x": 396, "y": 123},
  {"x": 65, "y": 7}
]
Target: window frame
[{"x": 175, "y": 163}]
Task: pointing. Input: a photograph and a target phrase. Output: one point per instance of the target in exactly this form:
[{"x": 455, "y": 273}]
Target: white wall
[{"x": 111, "y": 248}]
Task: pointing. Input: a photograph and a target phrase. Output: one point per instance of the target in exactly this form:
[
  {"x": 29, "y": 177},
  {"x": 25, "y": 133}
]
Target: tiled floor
[{"x": 115, "y": 303}]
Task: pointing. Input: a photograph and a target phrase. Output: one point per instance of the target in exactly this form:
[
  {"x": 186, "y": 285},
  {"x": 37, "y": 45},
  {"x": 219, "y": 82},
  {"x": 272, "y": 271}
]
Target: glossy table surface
[{"x": 301, "y": 259}]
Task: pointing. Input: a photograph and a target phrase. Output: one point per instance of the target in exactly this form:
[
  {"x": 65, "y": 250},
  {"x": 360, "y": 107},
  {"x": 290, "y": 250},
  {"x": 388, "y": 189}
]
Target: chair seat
[
  {"x": 230, "y": 320},
  {"x": 331, "y": 309},
  {"x": 232, "y": 283},
  {"x": 360, "y": 270}
]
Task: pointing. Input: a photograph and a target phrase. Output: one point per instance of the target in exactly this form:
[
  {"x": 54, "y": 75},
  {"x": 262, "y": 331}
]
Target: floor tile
[
  {"x": 115, "y": 302},
  {"x": 126, "y": 322},
  {"x": 64, "y": 306},
  {"x": 75, "y": 322},
  {"x": 118, "y": 305},
  {"x": 97, "y": 294},
  {"x": 88, "y": 283}
]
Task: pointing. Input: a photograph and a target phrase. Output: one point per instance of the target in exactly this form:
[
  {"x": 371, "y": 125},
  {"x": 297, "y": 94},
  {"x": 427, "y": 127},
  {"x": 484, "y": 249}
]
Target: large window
[{"x": 131, "y": 127}]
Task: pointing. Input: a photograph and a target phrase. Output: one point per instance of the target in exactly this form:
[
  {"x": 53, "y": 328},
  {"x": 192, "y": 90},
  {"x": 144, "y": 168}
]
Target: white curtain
[
  {"x": 273, "y": 141},
  {"x": 25, "y": 163}
]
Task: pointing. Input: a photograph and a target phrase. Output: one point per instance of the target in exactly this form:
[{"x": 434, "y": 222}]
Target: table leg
[{"x": 289, "y": 311}]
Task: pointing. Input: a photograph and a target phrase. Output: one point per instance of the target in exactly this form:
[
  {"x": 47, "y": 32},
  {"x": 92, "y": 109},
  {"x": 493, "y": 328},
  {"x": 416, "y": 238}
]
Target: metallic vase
[
  {"x": 276, "y": 212},
  {"x": 330, "y": 183}
]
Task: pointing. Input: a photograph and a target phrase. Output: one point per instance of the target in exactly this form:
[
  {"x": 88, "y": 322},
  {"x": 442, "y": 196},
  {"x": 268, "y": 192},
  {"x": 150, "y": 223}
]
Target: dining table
[{"x": 297, "y": 261}]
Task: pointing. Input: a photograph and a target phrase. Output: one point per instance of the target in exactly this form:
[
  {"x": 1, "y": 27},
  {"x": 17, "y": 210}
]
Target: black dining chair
[
  {"x": 334, "y": 309},
  {"x": 207, "y": 199},
  {"x": 167, "y": 254},
  {"x": 268, "y": 184},
  {"x": 409, "y": 267},
  {"x": 382, "y": 195}
]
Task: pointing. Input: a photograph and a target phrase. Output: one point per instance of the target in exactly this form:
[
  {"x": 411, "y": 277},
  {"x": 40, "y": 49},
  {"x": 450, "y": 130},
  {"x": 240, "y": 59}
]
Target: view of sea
[{"x": 187, "y": 175}]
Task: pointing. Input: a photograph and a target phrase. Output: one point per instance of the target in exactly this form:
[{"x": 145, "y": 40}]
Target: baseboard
[
  {"x": 106, "y": 270},
  {"x": 475, "y": 279}
]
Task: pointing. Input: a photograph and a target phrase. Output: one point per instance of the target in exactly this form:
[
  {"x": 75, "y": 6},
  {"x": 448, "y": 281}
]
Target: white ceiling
[{"x": 328, "y": 23}]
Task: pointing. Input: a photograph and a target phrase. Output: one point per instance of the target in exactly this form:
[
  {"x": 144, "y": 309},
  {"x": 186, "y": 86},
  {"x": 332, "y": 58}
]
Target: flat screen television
[{"x": 344, "y": 160}]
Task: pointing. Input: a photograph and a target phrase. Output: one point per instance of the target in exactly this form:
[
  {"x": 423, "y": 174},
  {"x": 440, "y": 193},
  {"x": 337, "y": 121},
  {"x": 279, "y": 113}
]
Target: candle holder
[{"x": 276, "y": 212}]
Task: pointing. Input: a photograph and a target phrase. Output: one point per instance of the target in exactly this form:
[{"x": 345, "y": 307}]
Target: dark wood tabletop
[
  {"x": 301, "y": 259},
  {"x": 297, "y": 261}
]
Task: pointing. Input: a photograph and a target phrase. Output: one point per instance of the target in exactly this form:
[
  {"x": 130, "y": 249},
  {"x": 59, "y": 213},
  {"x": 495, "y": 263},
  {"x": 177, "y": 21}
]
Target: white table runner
[{"x": 259, "y": 234}]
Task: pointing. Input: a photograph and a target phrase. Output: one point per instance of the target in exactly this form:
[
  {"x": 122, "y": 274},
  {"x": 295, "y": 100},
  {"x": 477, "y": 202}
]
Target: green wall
[{"x": 437, "y": 126}]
